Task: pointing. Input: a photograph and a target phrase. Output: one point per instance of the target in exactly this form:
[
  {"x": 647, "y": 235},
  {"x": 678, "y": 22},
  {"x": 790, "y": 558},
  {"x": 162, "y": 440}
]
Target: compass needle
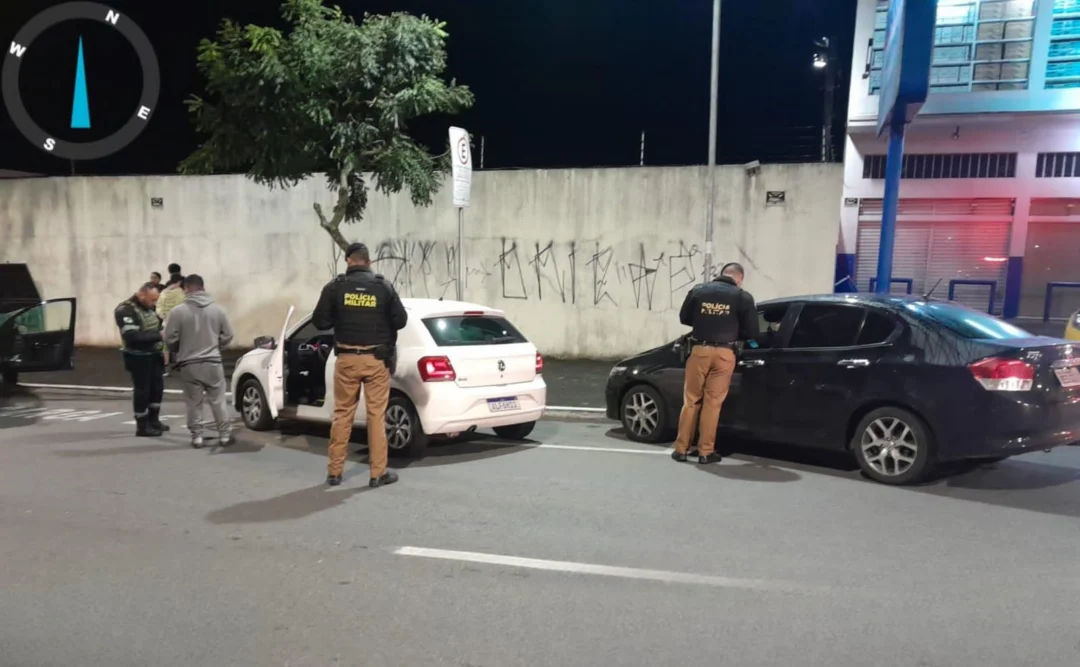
[{"x": 80, "y": 106}]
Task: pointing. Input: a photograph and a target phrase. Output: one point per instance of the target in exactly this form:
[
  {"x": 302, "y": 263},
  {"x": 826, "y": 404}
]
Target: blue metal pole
[{"x": 894, "y": 162}]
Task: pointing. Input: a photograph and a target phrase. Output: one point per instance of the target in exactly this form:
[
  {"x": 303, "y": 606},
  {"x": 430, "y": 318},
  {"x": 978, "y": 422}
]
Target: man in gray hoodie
[{"x": 197, "y": 331}]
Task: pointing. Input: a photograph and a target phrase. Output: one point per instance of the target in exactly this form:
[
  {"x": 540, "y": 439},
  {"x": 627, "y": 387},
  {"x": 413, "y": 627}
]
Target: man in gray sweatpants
[{"x": 197, "y": 331}]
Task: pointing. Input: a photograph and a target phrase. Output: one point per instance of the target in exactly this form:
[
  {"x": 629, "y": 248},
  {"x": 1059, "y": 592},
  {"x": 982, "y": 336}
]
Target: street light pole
[
  {"x": 825, "y": 60},
  {"x": 714, "y": 90}
]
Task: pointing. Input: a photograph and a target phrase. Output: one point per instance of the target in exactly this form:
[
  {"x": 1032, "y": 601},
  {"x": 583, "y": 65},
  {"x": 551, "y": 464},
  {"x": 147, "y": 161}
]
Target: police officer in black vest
[
  {"x": 365, "y": 313},
  {"x": 721, "y": 313},
  {"x": 141, "y": 332}
]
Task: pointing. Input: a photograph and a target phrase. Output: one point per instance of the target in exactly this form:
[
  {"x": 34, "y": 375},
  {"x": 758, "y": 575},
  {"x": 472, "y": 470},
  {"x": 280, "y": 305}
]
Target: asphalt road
[{"x": 122, "y": 552}]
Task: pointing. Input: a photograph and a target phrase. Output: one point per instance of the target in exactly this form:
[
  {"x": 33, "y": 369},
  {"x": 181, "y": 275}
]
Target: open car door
[
  {"x": 38, "y": 338},
  {"x": 275, "y": 392}
]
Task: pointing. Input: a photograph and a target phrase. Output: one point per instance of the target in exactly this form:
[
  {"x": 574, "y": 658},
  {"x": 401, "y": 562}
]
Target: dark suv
[{"x": 35, "y": 335}]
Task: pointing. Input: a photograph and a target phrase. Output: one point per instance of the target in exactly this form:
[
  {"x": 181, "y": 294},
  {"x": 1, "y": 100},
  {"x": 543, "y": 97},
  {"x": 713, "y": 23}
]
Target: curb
[{"x": 556, "y": 411}]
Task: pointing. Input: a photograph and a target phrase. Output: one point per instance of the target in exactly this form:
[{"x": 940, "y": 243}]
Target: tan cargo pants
[
  {"x": 708, "y": 378},
  {"x": 351, "y": 372}
]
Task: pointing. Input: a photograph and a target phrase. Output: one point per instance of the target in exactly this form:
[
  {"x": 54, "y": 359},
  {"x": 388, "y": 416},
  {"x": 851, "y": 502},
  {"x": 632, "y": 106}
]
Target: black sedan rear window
[
  {"x": 472, "y": 330},
  {"x": 966, "y": 322}
]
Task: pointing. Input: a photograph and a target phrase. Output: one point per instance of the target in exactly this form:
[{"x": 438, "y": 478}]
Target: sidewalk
[{"x": 577, "y": 384}]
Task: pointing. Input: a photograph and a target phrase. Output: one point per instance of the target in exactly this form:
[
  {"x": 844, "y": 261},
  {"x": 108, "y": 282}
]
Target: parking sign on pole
[{"x": 461, "y": 158}]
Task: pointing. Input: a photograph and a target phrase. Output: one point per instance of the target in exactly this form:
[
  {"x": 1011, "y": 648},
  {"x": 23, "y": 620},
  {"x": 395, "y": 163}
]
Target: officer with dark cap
[
  {"x": 365, "y": 313},
  {"x": 721, "y": 313},
  {"x": 141, "y": 332}
]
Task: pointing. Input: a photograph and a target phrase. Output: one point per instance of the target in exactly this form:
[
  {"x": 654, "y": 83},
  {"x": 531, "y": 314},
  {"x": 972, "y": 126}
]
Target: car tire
[
  {"x": 893, "y": 446},
  {"x": 254, "y": 408},
  {"x": 515, "y": 431},
  {"x": 9, "y": 377},
  {"x": 405, "y": 437},
  {"x": 644, "y": 415}
]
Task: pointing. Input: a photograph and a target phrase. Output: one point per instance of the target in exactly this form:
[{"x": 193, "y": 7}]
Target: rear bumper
[
  {"x": 1010, "y": 428},
  {"x": 1027, "y": 443},
  {"x": 446, "y": 408}
]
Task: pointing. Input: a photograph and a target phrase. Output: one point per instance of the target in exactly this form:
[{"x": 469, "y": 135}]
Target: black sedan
[{"x": 903, "y": 383}]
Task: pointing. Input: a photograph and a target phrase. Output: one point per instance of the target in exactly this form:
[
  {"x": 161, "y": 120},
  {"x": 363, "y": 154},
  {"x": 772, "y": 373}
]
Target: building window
[
  {"x": 949, "y": 165},
  {"x": 979, "y": 45},
  {"x": 1063, "y": 59},
  {"x": 1058, "y": 165}
]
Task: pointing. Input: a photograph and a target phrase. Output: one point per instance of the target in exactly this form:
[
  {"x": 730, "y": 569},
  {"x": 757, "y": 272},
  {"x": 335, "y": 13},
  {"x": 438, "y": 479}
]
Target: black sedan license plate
[{"x": 1068, "y": 377}]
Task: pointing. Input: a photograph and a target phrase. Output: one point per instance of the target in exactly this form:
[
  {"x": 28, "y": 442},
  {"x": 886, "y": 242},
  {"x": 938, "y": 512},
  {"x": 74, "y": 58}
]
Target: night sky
[{"x": 559, "y": 83}]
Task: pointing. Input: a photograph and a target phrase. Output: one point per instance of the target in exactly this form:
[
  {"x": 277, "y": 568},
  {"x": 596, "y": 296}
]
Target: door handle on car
[
  {"x": 852, "y": 363},
  {"x": 752, "y": 362}
]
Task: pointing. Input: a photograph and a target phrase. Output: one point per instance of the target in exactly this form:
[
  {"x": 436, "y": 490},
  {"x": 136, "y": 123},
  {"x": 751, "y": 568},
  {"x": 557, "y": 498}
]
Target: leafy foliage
[{"x": 328, "y": 95}]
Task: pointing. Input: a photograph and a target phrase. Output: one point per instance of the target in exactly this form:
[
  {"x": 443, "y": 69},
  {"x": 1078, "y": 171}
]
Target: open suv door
[
  {"x": 38, "y": 338},
  {"x": 35, "y": 335}
]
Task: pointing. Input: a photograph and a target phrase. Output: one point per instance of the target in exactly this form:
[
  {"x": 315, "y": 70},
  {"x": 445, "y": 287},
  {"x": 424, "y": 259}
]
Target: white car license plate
[
  {"x": 503, "y": 404},
  {"x": 1068, "y": 377}
]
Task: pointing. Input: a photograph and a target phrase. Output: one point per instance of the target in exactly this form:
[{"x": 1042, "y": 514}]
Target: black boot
[
  {"x": 145, "y": 429},
  {"x": 384, "y": 479},
  {"x": 153, "y": 415}
]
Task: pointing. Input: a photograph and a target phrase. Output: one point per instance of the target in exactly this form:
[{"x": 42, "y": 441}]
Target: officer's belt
[
  {"x": 709, "y": 343},
  {"x": 348, "y": 349}
]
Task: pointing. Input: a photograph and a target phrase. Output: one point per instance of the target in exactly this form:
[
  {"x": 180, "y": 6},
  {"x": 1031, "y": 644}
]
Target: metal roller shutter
[
  {"x": 909, "y": 254},
  {"x": 932, "y": 250},
  {"x": 969, "y": 251},
  {"x": 1053, "y": 255}
]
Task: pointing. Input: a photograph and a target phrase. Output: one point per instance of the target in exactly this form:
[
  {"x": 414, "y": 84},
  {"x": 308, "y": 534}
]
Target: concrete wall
[{"x": 590, "y": 263}]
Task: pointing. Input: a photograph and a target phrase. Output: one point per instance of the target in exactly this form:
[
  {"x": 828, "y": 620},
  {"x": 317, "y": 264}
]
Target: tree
[{"x": 328, "y": 96}]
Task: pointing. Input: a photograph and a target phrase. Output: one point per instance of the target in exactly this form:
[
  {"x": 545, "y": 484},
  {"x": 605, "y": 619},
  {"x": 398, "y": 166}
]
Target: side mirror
[{"x": 265, "y": 343}]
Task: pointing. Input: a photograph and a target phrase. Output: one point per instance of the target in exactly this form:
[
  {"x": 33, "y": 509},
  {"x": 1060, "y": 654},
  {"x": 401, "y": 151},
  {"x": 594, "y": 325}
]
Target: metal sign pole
[
  {"x": 905, "y": 77},
  {"x": 894, "y": 162},
  {"x": 460, "y": 253},
  {"x": 714, "y": 90}
]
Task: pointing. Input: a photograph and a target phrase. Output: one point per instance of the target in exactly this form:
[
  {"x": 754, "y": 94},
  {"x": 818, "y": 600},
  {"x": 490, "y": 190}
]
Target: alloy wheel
[
  {"x": 252, "y": 405},
  {"x": 399, "y": 427},
  {"x": 642, "y": 414},
  {"x": 889, "y": 446}
]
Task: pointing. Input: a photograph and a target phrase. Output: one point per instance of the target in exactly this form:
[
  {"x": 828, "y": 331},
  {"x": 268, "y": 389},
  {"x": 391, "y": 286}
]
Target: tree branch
[{"x": 333, "y": 225}]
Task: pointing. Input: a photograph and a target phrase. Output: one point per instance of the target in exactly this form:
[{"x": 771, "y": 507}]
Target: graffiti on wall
[{"x": 589, "y": 274}]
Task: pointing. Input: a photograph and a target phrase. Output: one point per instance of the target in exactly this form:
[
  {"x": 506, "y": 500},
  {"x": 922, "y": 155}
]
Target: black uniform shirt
[
  {"x": 720, "y": 312},
  {"x": 361, "y": 307}
]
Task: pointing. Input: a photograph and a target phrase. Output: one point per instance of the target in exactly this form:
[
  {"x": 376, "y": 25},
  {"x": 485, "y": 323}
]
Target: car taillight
[
  {"x": 539, "y": 363},
  {"x": 436, "y": 369},
  {"x": 1003, "y": 374}
]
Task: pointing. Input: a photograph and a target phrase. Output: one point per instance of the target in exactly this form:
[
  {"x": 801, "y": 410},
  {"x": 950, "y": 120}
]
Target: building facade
[{"x": 990, "y": 193}]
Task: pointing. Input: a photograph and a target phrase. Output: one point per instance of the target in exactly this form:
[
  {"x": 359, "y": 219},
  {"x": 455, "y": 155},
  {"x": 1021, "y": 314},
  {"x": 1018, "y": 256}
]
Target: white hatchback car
[{"x": 460, "y": 367}]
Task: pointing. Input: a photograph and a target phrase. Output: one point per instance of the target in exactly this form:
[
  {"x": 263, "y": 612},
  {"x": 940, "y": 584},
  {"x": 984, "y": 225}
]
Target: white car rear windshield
[{"x": 460, "y": 330}]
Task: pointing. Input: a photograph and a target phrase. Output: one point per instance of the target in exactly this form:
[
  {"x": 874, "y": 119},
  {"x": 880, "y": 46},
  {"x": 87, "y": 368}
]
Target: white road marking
[
  {"x": 618, "y": 450},
  {"x": 603, "y": 570},
  {"x": 163, "y": 418},
  {"x": 80, "y": 415},
  {"x": 84, "y": 387},
  {"x": 178, "y": 392}
]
